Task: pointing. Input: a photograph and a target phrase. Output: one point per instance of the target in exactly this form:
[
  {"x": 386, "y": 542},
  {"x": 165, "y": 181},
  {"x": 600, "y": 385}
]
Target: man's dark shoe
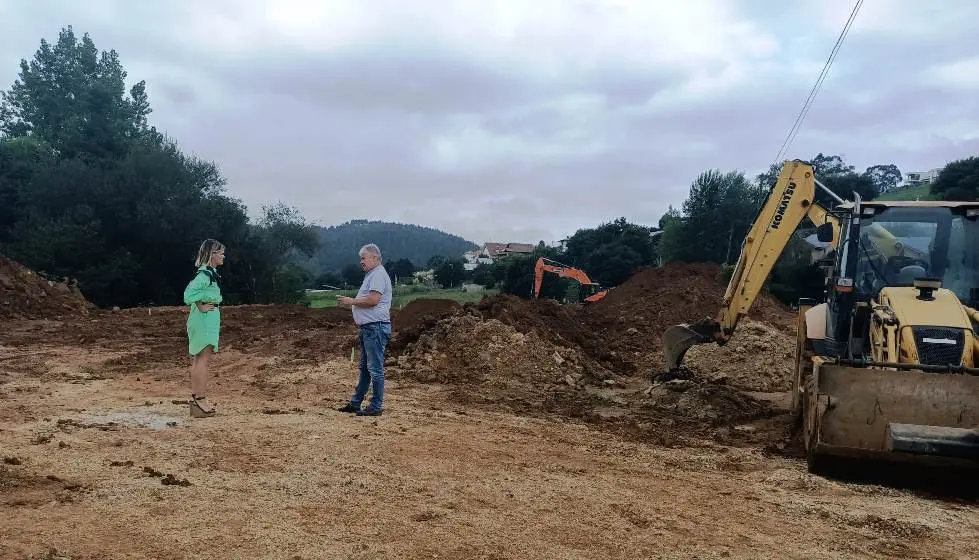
[
  {"x": 369, "y": 412},
  {"x": 349, "y": 408}
]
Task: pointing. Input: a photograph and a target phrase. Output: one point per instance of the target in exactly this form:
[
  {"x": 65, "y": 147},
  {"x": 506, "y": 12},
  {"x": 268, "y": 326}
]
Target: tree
[
  {"x": 959, "y": 180},
  {"x": 401, "y": 268},
  {"x": 884, "y": 177},
  {"x": 20, "y": 159},
  {"x": 611, "y": 252},
  {"x": 450, "y": 273},
  {"x": 844, "y": 185},
  {"x": 88, "y": 189},
  {"x": 716, "y": 216},
  {"x": 842, "y": 178},
  {"x": 328, "y": 279},
  {"x": 352, "y": 274},
  {"x": 483, "y": 275},
  {"x": 74, "y": 97},
  {"x": 435, "y": 261},
  {"x": 266, "y": 249}
]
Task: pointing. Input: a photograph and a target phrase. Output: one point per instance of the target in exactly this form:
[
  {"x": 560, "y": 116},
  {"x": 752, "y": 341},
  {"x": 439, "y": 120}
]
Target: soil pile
[
  {"x": 493, "y": 365},
  {"x": 25, "y": 294},
  {"x": 631, "y": 319},
  {"x": 492, "y": 362},
  {"x": 420, "y": 315},
  {"x": 560, "y": 324},
  {"x": 759, "y": 357},
  {"x": 714, "y": 404}
]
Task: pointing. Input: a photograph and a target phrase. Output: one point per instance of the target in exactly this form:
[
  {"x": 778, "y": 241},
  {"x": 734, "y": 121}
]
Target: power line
[{"x": 797, "y": 125}]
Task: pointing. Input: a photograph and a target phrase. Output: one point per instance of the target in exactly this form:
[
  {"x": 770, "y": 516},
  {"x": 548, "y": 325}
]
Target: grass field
[
  {"x": 917, "y": 192},
  {"x": 402, "y": 295}
]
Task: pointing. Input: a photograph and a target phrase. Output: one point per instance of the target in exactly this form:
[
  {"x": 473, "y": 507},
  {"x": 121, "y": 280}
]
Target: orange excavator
[{"x": 596, "y": 292}]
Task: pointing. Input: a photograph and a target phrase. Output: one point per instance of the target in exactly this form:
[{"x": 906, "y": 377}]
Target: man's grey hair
[{"x": 370, "y": 248}]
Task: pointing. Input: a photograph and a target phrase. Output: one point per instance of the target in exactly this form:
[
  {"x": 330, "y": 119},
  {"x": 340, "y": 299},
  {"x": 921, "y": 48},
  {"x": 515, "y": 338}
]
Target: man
[{"x": 372, "y": 314}]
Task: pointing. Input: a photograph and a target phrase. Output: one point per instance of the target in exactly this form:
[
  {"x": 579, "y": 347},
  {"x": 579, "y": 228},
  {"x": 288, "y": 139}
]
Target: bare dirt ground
[{"x": 501, "y": 438}]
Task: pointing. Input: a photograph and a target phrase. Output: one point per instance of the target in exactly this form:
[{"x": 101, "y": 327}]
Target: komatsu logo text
[{"x": 783, "y": 205}]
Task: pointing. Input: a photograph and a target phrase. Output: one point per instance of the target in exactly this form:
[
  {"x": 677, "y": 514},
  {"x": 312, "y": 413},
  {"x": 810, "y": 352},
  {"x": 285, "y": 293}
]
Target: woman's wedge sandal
[{"x": 197, "y": 411}]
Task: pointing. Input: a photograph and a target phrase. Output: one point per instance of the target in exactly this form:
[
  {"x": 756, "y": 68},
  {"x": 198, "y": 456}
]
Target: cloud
[{"x": 516, "y": 121}]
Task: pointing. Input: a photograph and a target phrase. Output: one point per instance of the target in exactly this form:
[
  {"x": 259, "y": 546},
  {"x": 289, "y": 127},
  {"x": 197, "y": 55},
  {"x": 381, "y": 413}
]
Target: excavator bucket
[
  {"x": 680, "y": 338},
  {"x": 911, "y": 416},
  {"x": 597, "y": 296}
]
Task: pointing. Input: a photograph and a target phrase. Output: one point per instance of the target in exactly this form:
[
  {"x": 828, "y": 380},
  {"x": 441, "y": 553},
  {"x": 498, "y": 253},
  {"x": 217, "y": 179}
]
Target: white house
[
  {"x": 921, "y": 177},
  {"x": 474, "y": 258},
  {"x": 490, "y": 252}
]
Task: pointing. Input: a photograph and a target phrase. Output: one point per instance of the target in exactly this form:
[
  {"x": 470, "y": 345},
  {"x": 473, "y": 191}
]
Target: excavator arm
[
  {"x": 546, "y": 265},
  {"x": 790, "y": 201}
]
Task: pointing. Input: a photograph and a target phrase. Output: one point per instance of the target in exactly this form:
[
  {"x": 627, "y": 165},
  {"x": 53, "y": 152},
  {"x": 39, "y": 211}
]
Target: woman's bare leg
[{"x": 199, "y": 372}]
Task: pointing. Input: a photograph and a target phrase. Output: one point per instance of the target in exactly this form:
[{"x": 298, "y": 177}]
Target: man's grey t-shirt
[{"x": 377, "y": 280}]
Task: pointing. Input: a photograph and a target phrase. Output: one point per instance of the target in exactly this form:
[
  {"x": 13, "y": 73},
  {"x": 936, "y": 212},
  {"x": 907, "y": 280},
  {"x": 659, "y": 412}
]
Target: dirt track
[{"x": 499, "y": 440}]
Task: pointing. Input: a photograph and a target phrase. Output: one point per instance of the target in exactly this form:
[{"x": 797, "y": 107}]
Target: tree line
[
  {"x": 710, "y": 226},
  {"x": 89, "y": 189}
]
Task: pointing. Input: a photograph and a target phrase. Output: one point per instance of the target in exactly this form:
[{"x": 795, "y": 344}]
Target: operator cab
[{"x": 898, "y": 244}]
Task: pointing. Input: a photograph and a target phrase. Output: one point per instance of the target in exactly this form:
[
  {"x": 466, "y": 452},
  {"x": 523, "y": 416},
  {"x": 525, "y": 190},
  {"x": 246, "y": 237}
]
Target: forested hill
[{"x": 339, "y": 244}]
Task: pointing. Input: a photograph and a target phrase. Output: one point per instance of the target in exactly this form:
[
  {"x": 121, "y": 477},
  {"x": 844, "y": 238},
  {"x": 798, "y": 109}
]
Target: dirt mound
[
  {"x": 25, "y": 294},
  {"x": 712, "y": 404},
  {"x": 549, "y": 320},
  {"x": 492, "y": 362},
  {"x": 759, "y": 357},
  {"x": 633, "y": 317},
  {"x": 420, "y": 315},
  {"x": 494, "y": 365}
]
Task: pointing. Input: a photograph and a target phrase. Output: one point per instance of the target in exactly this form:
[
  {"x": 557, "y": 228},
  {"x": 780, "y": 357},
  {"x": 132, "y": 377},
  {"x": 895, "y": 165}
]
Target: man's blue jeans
[{"x": 374, "y": 339}]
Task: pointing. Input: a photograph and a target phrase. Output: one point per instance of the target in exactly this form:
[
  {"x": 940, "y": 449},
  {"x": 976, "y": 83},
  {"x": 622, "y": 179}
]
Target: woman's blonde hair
[{"x": 208, "y": 248}]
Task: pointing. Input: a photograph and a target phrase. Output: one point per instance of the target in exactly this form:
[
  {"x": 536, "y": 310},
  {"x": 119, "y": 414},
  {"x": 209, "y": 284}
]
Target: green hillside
[
  {"x": 914, "y": 192},
  {"x": 339, "y": 244}
]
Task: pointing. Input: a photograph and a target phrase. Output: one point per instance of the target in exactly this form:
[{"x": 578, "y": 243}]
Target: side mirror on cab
[{"x": 824, "y": 233}]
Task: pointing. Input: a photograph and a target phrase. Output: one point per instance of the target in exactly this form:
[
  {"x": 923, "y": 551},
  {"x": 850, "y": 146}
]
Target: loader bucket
[
  {"x": 679, "y": 338},
  {"x": 899, "y": 415}
]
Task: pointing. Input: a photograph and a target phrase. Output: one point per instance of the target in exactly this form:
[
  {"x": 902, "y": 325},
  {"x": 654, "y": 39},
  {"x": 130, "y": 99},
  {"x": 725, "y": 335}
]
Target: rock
[{"x": 679, "y": 385}]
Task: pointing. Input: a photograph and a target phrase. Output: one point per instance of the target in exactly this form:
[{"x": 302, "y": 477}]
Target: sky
[{"x": 524, "y": 121}]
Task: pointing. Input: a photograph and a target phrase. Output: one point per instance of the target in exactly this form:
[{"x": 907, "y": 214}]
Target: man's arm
[{"x": 370, "y": 300}]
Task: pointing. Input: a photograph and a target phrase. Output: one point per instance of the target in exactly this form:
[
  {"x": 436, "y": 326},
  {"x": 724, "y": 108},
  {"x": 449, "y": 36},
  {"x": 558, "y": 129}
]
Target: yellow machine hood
[{"x": 944, "y": 310}]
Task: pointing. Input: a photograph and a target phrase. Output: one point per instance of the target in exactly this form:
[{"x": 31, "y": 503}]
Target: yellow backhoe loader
[{"x": 886, "y": 365}]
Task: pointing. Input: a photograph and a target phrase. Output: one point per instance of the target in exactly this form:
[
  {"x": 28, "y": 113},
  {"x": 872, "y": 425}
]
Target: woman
[{"x": 203, "y": 295}]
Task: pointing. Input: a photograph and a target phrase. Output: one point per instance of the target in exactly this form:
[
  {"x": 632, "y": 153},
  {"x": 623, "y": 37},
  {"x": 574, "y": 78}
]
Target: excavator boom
[
  {"x": 546, "y": 265},
  {"x": 791, "y": 200}
]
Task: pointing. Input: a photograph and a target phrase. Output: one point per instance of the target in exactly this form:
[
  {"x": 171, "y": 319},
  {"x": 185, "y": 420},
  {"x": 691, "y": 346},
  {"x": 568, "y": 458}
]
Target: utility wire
[{"x": 797, "y": 125}]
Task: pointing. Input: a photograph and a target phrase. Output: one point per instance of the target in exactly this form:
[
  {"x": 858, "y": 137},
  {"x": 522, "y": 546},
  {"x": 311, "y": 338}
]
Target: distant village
[
  {"x": 487, "y": 254},
  {"x": 490, "y": 252}
]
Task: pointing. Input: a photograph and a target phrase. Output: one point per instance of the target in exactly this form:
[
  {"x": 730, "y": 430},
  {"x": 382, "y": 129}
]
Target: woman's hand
[{"x": 205, "y": 307}]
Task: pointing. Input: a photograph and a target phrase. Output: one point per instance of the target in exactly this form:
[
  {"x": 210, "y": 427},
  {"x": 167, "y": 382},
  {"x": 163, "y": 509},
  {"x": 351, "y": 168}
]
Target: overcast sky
[{"x": 519, "y": 121}]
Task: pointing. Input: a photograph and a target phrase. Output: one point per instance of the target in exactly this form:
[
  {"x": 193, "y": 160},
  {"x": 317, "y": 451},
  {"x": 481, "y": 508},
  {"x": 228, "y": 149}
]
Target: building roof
[
  {"x": 494, "y": 249},
  {"x": 519, "y": 248}
]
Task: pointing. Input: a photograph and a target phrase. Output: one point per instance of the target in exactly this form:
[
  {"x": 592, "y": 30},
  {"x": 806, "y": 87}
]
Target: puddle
[{"x": 141, "y": 419}]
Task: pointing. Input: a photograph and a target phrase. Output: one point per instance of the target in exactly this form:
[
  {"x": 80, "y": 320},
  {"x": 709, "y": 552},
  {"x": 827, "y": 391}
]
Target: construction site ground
[{"x": 512, "y": 429}]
